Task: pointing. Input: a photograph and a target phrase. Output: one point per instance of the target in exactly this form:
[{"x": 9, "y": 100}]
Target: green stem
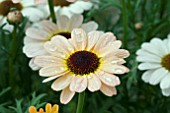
[
  {"x": 80, "y": 102},
  {"x": 51, "y": 8},
  {"x": 13, "y": 48},
  {"x": 124, "y": 23}
]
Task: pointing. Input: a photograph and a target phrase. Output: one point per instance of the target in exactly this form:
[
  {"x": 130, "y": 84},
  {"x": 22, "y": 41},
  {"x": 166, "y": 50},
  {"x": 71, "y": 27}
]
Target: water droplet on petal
[
  {"x": 119, "y": 70},
  {"x": 51, "y": 46},
  {"x": 107, "y": 79}
]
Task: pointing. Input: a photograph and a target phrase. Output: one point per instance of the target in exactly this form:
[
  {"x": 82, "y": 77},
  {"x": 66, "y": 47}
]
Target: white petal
[
  {"x": 165, "y": 82},
  {"x": 84, "y": 5},
  {"x": 66, "y": 96},
  {"x": 63, "y": 22},
  {"x": 107, "y": 90},
  {"x": 157, "y": 76},
  {"x": 166, "y": 92},
  {"x": 94, "y": 83},
  {"x": 114, "y": 68},
  {"x": 75, "y": 21},
  {"x": 146, "y": 66},
  {"x": 52, "y": 70},
  {"x": 62, "y": 82},
  {"x": 147, "y": 75},
  {"x": 33, "y": 50},
  {"x": 109, "y": 80},
  {"x": 93, "y": 37},
  {"x": 33, "y": 65},
  {"x": 49, "y": 26},
  {"x": 79, "y": 38},
  {"x": 90, "y": 26},
  {"x": 78, "y": 84},
  {"x": 44, "y": 61}
]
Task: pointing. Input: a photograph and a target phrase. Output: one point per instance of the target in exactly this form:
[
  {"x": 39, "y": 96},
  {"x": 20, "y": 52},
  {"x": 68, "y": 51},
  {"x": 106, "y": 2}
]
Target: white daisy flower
[
  {"x": 27, "y": 7},
  {"x": 155, "y": 58},
  {"x": 68, "y": 8},
  {"x": 84, "y": 61},
  {"x": 36, "y": 37}
]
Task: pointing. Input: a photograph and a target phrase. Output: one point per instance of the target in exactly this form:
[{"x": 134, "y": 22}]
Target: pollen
[
  {"x": 6, "y": 5},
  {"x": 166, "y": 62},
  {"x": 83, "y": 62}
]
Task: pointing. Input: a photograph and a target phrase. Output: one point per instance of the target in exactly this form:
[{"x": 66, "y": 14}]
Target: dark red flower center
[{"x": 83, "y": 62}]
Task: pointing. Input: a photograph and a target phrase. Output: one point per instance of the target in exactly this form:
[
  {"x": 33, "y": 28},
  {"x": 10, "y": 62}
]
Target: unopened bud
[
  {"x": 138, "y": 25},
  {"x": 14, "y": 17}
]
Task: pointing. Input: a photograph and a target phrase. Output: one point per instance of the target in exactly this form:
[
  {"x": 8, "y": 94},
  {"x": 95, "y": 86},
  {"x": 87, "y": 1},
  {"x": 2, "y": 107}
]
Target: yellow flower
[{"x": 48, "y": 109}]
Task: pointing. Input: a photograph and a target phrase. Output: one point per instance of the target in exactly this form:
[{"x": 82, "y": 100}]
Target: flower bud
[{"x": 14, "y": 17}]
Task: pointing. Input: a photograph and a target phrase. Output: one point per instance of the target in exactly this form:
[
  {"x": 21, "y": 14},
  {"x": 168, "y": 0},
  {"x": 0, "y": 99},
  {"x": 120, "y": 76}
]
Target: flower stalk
[
  {"x": 13, "y": 48},
  {"x": 51, "y": 8},
  {"x": 80, "y": 102}
]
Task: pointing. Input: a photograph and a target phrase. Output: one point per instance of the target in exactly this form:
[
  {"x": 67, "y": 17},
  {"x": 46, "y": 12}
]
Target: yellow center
[
  {"x": 166, "y": 62},
  {"x": 5, "y": 7},
  {"x": 61, "y": 3}
]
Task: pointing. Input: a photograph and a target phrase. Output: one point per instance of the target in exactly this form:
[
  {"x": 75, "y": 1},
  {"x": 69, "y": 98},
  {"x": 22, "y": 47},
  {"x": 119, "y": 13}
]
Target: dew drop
[
  {"x": 51, "y": 46},
  {"x": 119, "y": 70}
]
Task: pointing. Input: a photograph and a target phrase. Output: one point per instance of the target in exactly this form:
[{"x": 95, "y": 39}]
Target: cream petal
[
  {"x": 76, "y": 9},
  {"x": 84, "y": 5},
  {"x": 78, "y": 84},
  {"x": 147, "y": 65},
  {"x": 28, "y": 40},
  {"x": 147, "y": 75},
  {"x": 121, "y": 53},
  {"x": 166, "y": 92},
  {"x": 79, "y": 38},
  {"x": 54, "y": 77},
  {"x": 63, "y": 22},
  {"x": 52, "y": 70},
  {"x": 104, "y": 40},
  {"x": 33, "y": 50},
  {"x": 49, "y": 26},
  {"x": 34, "y": 14},
  {"x": 37, "y": 34},
  {"x": 107, "y": 90},
  {"x": 44, "y": 61},
  {"x": 66, "y": 96},
  {"x": 54, "y": 50},
  {"x": 109, "y": 80},
  {"x": 112, "y": 59},
  {"x": 157, "y": 76},
  {"x": 114, "y": 68},
  {"x": 61, "y": 41},
  {"x": 62, "y": 82},
  {"x": 93, "y": 37},
  {"x": 165, "y": 81},
  {"x": 33, "y": 65},
  {"x": 90, "y": 26},
  {"x": 115, "y": 45},
  {"x": 94, "y": 83},
  {"x": 75, "y": 21}
]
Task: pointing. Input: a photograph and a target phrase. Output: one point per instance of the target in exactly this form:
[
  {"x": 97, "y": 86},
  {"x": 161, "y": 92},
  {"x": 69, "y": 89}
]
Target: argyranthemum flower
[
  {"x": 85, "y": 61},
  {"x": 68, "y": 8},
  {"x": 36, "y": 37},
  {"x": 28, "y": 9},
  {"x": 155, "y": 58},
  {"x": 48, "y": 109}
]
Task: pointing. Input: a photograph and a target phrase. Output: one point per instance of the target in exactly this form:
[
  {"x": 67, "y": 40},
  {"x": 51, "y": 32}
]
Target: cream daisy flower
[
  {"x": 155, "y": 58},
  {"x": 68, "y": 8},
  {"x": 85, "y": 61},
  {"x": 48, "y": 109},
  {"x": 36, "y": 37},
  {"x": 27, "y": 7}
]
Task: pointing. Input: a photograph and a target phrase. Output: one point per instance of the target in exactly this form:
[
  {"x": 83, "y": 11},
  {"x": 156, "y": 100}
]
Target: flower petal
[
  {"x": 66, "y": 95},
  {"x": 147, "y": 75},
  {"x": 107, "y": 90},
  {"x": 52, "y": 70},
  {"x": 94, "y": 83},
  {"x": 166, "y": 92},
  {"x": 165, "y": 82},
  {"x": 90, "y": 26},
  {"x": 33, "y": 65},
  {"x": 109, "y": 80},
  {"x": 147, "y": 65},
  {"x": 157, "y": 76},
  {"x": 75, "y": 21},
  {"x": 62, "y": 82},
  {"x": 79, "y": 38},
  {"x": 78, "y": 84}
]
